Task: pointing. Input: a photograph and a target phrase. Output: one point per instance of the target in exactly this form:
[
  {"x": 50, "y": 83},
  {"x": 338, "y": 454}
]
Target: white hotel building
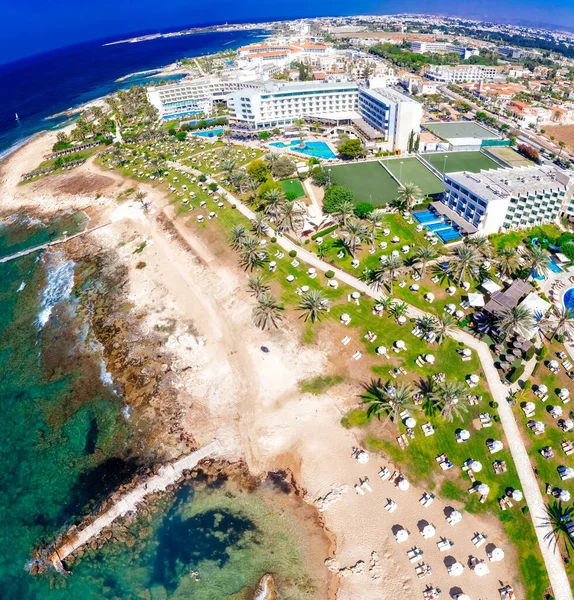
[
  {"x": 515, "y": 198},
  {"x": 423, "y": 47},
  {"x": 463, "y": 73}
]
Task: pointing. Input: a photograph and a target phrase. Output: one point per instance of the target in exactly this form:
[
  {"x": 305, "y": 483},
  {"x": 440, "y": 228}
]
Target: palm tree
[
  {"x": 399, "y": 309},
  {"x": 227, "y": 134},
  {"x": 423, "y": 255},
  {"x": 538, "y": 261},
  {"x": 386, "y": 304},
  {"x": 252, "y": 257},
  {"x": 447, "y": 397},
  {"x": 464, "y": 259},
  {"x": 344, "y": 211},
  {"x": 289, "y": 217},
  {"x": 507, "y": 260},
  {"x": 252, "y": 185},
  {"x": 228, "y": 167},
  {"x": 273, "y": 199},
  {"x": 427, "y": 323},
  {"x": 374, "y": 221},
  {"x": 482, "y": 244},
  {"x": 313, "y": 303},
  {"x": 237, "y": 236},
  {"x": 557, "y": 518},
  {"x": 267, "y": 311},
  {"x": 258, "y": 285},
  {"x": 354, "y": 234},
  {"x": 519, "y": 319},
  {"x": 408, "y": 195},
  {"x": 560, "y": 322},
  {"x": 387, "y": 399},
  {"x": 237, "y": 179},
  {"x": 444, "y": 326},
  {"x": 271, "y": 158},
  {"x": 387, "y": 272},
  {"x": 259, "y": 225}
]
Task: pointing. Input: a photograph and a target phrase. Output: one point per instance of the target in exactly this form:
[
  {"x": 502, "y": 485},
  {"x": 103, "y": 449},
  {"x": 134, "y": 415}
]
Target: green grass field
[
  {"x": 368, "y": 181},
  {"x": 411, "y": 170},
  {"x": 294, "y": 186},
  {"x": 461, "y": 129},
  {"x": 460, "y": 161},
  {"x": 510, "y": 156}
]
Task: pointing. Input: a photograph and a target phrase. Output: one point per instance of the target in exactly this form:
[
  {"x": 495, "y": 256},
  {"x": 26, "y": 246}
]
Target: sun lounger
[
  {"x": 502, "y": 504},
  {"x": 359, "y": 490},
  {"x": 478, "y": 540},
  {"x": 567, "y": 364},
  {"x": 443, "y": 545},
  {"x": 357, "y": 355},
  {"x": 428, "y": 429},
  {"x": 400, "y": 442},
  {"x": 414, "y": 554},
  {"x": 391, "y": 506},
  {"x": 366, "y": 485},
  {"x": 417, "y": 332},
  {"x": 427, "y": 499},
  {"x": 345, "y": 340},
  {"x": 384, "y": 474},
  {"x": 499, "y": 467},
  {"x": 435, "y": 279},
  {"x": 294, "y": 263},
  {"x": 423, "y": 570}
]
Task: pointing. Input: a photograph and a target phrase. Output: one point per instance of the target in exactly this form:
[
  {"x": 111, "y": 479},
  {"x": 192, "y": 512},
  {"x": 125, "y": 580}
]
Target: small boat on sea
[{"x": 17, "y": 117}]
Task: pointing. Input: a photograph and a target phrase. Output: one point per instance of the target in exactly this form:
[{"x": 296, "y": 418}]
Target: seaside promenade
[{"x": 500, "y": 392}]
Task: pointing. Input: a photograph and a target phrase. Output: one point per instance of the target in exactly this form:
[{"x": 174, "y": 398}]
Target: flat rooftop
[
  {"x": 452, "y": 130},
  {"x": 284, "y": 88},
  {"x": 498, "y": 184},
  {"x": 386, "y": 94}
]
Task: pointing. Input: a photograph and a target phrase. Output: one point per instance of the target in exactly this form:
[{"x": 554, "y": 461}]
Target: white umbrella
[
  {"x": 403, "y": 485},
  {"x": 304, "y": 288},
  {"x": 410, "y": 422},
  {"x": 497, "y": 446},
  {"x": 462, "y": 597},
  {"x": 363, "y": 457},
  {"x": 430, "y": 296},
  {"x": 402, "y": 319},
  {"x": 553, "y": 364},
  {"x": 400, "y": 344},
  {"x": 556, "y": 411},
  {"x": 428, "y": 531},
  {"x": 483, "y": 489},
  {"x": 481, "y": 569},
  {"x": 467, "y": 352},
  {"x": 429, "y": 358},
  {"x": 451, "y": 289},
  {"x": 354, "y": 295},
  {"x": 474, "y": 378},
  {"x": 476, "y": 466},
  {"x": 464, "y": 435},
  {"x": 529, "y": 406},
  {"x": 402, "y": 535},
  {"x": 450, "y": 307},
  {"x": 516, "y": 495},
  {"x": 395, "y": 253},
  {"x": 568, "y": 424},
  {"x": 497, "y": 554},
  {"x": 564, "y": 393},
  {"x": 381, "y": 350},
  {"x": 568, "y": 473},
  {"x": 539, "y": 426},
  {"x": 415, "y": 287},
  {"x": 455, "y": 517},
  {"x": 542, "y": 389},
  {"x": 564, "y": 495},
  {"x": 456, "y": 569},
  {"x": 345, "y": 317}
]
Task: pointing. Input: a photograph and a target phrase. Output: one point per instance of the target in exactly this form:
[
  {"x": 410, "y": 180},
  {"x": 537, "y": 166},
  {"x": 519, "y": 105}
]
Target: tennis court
[
  {"x": 368, "y": 181},
  {"x": 461, "y": 129},
  {"x": 411, "y": 170},
  {"x": 451, "y": 162},
  {"x": 293, "y": 186}
]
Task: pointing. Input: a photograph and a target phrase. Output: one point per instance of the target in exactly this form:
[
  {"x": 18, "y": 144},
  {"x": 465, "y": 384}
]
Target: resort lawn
[
  {"x": 294, "y": 186},
  {"x": 460, "y": 129},
  {"x": 473, "y": 161},
  {"x": 413, "y": 171},
  {"x": 522, "y": 237},
  {"x": 368, "y": 181}
]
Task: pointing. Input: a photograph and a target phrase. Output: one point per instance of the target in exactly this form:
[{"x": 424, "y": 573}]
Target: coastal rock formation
[
  {"x": 266, "y": 589},
  {"x": 357, "y": 569},
  {"x": 375, "y": 567},
  {"x": 324, "y": 502}
]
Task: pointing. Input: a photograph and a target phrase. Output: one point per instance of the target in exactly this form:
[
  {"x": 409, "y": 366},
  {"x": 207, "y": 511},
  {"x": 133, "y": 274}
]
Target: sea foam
[{"x": 59, "y": 285}]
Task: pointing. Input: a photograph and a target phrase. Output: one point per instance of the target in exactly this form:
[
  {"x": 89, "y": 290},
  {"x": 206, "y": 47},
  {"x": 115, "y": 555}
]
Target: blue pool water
[
  {"x": 209, "y": 133},
  {"x": 316, "y": 149},
  {"x": 445, "y": 232},
  {"x": 569, "y": 298},
  {"x": 551, "y": 265}
]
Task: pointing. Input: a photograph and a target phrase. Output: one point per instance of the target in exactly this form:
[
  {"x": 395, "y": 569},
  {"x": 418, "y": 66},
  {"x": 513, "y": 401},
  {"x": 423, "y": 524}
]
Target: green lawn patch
[
  {"x": 356, "y": 418},
  {"x": 319, "y": 384},
  {"x": 411, "y": 170},
  {"x": 461, "y": 129},
  {"x": 293, "y": 187},
  {"x": 368, "y": 181},
  {"x": 473, "y": 161}
]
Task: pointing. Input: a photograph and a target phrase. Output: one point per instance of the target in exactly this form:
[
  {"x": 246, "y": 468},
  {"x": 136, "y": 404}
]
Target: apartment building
[
  {"x": 514, "y": 198},
  {"x": 425, "y": 47},
  {"x": 463, "y": 73}
]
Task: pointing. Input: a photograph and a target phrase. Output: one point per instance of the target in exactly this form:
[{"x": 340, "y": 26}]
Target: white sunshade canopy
[
  {"x": 363, "y": 457},
  {"x": 481, "y": 569},
  {"x": 497, "y": 554},
  {"x": 456, "y": 569},
  {"x": 517, "y": 495},
  {"x": 564, "y": 393},
  {"x": 403, "y": 485},
  {"x": 464, "y": 434},
  {"x": 542, "y": 389},
  {"x": 490, "y": 286},
  {"x": 476, "y": 466},
  {"x": 402, "y": 535},
  {"x": 476, "y": 300},
  {"x": 399, "y": 344},
  {"x": 428, "y": 531},
  {"x": 564, "y": 496},
  {"x": 455, "y": 517},
  {"x": 474, "y": 378},
  {"x": 429, "y": 358},
  {"x": 483, "y": 489}
]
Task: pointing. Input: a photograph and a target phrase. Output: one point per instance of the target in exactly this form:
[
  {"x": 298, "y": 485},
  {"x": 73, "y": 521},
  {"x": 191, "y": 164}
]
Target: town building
[
  {"x": 498, "y": 200},
  {"x": 462, "y": 73},
  {"x": 427, "y": 47}
]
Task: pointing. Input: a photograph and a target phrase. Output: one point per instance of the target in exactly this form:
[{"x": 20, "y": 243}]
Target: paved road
[{"x": 500, "y": 392}]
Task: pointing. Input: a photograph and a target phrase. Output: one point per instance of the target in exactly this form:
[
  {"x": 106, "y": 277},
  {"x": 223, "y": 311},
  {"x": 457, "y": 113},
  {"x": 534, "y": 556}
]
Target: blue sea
[{"x": 38, "y": 87}]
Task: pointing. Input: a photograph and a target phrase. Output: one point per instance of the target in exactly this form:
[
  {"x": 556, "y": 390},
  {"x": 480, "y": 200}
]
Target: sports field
[
  {"x": 510, "y": 156},
  {"x": 368, "y": 181},
  {"x": 461, "y": 129},
  {"x": 452, "y": 162},
  {"x": 411, "y": 170},
  {"x": 294, "y": 186}
]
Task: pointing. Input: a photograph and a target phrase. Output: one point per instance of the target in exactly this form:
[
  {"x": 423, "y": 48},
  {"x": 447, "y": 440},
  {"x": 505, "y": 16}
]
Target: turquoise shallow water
[{"x": 65, "y": 446}]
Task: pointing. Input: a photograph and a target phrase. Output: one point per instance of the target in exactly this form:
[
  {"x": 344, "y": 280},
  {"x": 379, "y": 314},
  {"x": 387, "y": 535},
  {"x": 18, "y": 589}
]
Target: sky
[{"x": 29, "y": 27}]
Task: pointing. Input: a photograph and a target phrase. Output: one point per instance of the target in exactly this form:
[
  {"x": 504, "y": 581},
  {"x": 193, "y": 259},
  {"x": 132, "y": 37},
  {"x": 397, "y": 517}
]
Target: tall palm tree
[
  {"x": 374, "y": 221},
  {"x": 519, "y": 319},
  {"x": 354, "y": 234},
  {"x": 387, "y": 272},
  {"x": 386, "y": 304},
  {"x": 463, "y": 260},
  {"x": 238, "y": 178},
  {"x": 482, "y": 244},
  {"x": 507, "y": 260},
  {"x": 559, "y": 322},
  {"x": 252, "y": 185},
  {"x": 289, "y": 217},
  {"x": 227, "y": 134},
  {"x": 237, "y": 236},
  {"x": 557, "y": 518},
  {"x": 423, "y": 255},
  {"x": 251, "y": 255},
  {"x": 273, "y": 199},
  {"x": 271, "y": 158},
  {"x": 258, "y": 284},
  {"x": 444, "y": 326},
  {"x": 267, "y": 311},
  {"x": 427, "y": 323},
  {"x": 399, "y": 309},
  {"x": 391, "y": 400},
  {"x": 228, "y": 167},
  {"x": 447, "y": 396},
  {"x": 538, "y": 261},
  {"x": 259, "y": 225},
  {"x": 312, "y": 304},
  {"x": 408, "y": 195},
  {"x": 345, "y": 210}
]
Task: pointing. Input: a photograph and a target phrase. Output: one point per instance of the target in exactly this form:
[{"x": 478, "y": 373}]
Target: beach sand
[{"x": 251, "y": 401}]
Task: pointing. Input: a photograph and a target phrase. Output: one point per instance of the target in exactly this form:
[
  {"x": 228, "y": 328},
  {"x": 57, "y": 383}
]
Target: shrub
[
  {"x": 351, "y": 148},
  {"x": 496, "y": 419},
  {"x": 290, "y": 195},
  {"x": 273, "y": 240},
  {"x": 536, "y": 367},
  {"x": 234, "y": 206},
  {"x": 258, "y": 170},
  {"x": 140, "y": 265},
  {"x": 293, "y": 253},
  {"x": 213, "y": 186},
  {"x": 529, "y": 353},
  {"x": 525, "y": 510},
  {"x": 364, "y": 209},
  {"x": 307, "y": 241},
  {"x": 203, "y": 177},
  {"x": 542, "y": 353},
  {"x": 330, "y": 274},
  {"x": 320, "y": 176},
  {"x": 324, "y": 232},
  {"x": 267, "y": 186},
  {"x": 527, "y": 385},
  {"x": 181, "y": 135},
  {"x": 493, "y": 404},
  {"x": 515, "y": 374},
  {"x": 334, "y": 196},
  {"x": 283, "y": 167}
]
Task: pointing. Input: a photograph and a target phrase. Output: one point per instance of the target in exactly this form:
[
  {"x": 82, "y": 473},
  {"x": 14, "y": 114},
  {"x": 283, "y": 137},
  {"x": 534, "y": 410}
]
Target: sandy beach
[{"x": 252, "y": 402}]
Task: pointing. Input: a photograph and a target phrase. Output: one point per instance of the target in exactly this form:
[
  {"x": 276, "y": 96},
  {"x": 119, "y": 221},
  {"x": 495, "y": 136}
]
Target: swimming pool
[
  {"x": 209, "y": 132},
  {"x": 569, "y": 298},
  {"x": 316, "y": 149},
  {"x": 445, "y": 232},
  {"x": 552, "y": 265}
]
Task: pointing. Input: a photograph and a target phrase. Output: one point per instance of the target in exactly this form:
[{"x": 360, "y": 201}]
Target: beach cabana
[
  {"x": 401, "y": 536},
  {"x": 496, "y": 555},
  {"x": 490, "y": 286},
  {"x": 481, "y": 569},
  {"x": 454, "y": 517},
  {"x": 428, "y": 532},
  {"x": 456, "y": 569}
]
